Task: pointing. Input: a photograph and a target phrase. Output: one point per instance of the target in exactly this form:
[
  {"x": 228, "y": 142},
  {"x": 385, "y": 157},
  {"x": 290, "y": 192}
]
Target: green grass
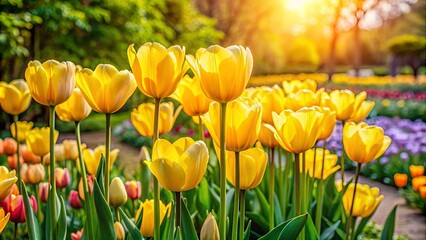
[{"x": 95, "y": 122}]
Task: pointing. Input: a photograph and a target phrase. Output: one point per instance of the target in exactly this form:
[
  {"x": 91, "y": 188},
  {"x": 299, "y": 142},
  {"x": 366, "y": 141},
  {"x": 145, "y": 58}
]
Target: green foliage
[{"x": 407, "y": 45}]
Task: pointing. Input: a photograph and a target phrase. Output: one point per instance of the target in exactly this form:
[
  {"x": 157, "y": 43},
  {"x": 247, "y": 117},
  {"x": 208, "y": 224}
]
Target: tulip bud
[
  {"x": 77, "y": 235},
  {"x": 400, "y": 179},
  {"x": 43, "y": 191},
  {"x": 418, "y": 182},
  {"x": 59, "y": 154},
  {"x": 35, "y": 173},
  {"x": 17, "y": 208},
  {"x": 90, "y": 181},
  {"x": 422, "y": 191},
  {"x": 9, "y": 146},
  {"x": 117, "y": 193},
  {"x": 133, "y": 189},
  {"x": 119, "y": 231},
  {"x": 28, "y": 156},
  {"x": 209, "y": 231},
  {"x": 62, "y": 176},
  {"x": 73, "y": 200},
  {"x": 23, "y": 173},
  {"x": 70, "y": 149},
  {"x": 12, "y": 162},
  {"x": 417, "y": 171},
  {"x": 1, "y": 147}
]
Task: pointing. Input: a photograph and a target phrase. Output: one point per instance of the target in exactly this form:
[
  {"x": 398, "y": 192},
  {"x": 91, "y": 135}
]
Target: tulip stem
[
  {"x": 107, "y": 149},
  {"x": 200, "y": 128},
  {"x": 320, "y": 195},
  {"x": 15, "y": 231},
  {"x": 236, "y": 197},
  {"x": 39, "y": 216},
  {"x": 285, "y": 181},
  {"x": 87, "y": 205},
  {"x": 342, "y": 159},
  {"x": 242, "y": 212},
  {"x": 348, "y": 224},
  {"x": 52, "y": 194},
  {"x": 178, "y": 208},
  {"x": 222, "y": 216},
  {"x": 157, "y": 234},
  {"x": 297, "y": 183},
  {"x": 304, "y": 195},
  {"x": 280, "y": 182},
  {"x": 117, "y": 214},
  {"x": 18, "y": 162},
  {"x": 271, "y": 188}
]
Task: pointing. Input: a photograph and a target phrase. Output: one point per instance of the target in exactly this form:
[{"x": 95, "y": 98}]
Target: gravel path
[{"x": 409, "y": 221}]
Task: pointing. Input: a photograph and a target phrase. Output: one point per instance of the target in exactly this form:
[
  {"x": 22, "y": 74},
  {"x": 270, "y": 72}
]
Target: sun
[{"x": 296, "y": 5}]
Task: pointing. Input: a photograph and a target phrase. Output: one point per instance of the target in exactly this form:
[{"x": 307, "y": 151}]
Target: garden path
[{"x": 409, "y": 221}]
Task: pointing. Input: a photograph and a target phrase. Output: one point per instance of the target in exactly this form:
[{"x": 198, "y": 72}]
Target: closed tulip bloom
[
  {"x": 23, "y": 128},
  {"x": 422, "y": 191},
  {"x": 74, "y": 201},
  {"x": 106, "y": 89},
  {"x": 400, "y": 179},
  {"x": 364, "y": 143},
  {"x": 147, "y": 208},
  {"x": 13, "y": 162},
  {"x": 242, "y": 123},
  {"x": 418, "y": 182},
  {"x": 272, "y": 100},
  {"x": 70, "y": 149},
  {"x": 117, "y": 195},
  {"x": 297, "y": 131},
  {"x": 267, "y": 138},
  {"x": 59, "y": 154},
  {"x": 7, "y": 180},
  {"x": 252, "y": 167},
  {"x": 9, "y": 146},
  {"x": 90, "y": 182},
  {"x": 62, "y": 177},
  {"x": 157, "y": 70},
  {"x": 329, "y": 121},
  {"x": 28, "y": 156},
  {"x": 119, "y": 231},
  {"x": 366, "y": 200},
  {"x": 303, "y": 98},
  {"x": 294, "y": 86},
  {"x": 185, "y": 159},
  {"x": 361, "y": 113},
  {"x": 35, "y": 173},
  {"x": 191, "y": 97},
  {"x": 92, "y": 158},
  {"x": 417, "y": 171},
  {"x": 345, "y": 103},
  {"x": 143, "y": 116},
  {"x": 50, "y": 83},
  {"x": 330, "y": 161},
  {"x": 1, "y": 147},
  {"x": 224, "y": 72},
  {"x": 209, "y": 230},
  {"x": 3, "y": 219},
  {"x": 77, "y": 235},
  {"x": 75, "y": 109},
  {"x": 15, "y": 96},
  {"x": 17, "y": 209},
  {"x": 36, "y": 140},
  {"x": 133, "y": 189},
  {"x": 43, "y": 191}
]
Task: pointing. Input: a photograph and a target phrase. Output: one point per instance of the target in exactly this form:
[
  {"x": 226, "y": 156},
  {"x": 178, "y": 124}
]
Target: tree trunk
[
  {"x": 357, "y": 53},
  {"x": 332, "y": 56}
]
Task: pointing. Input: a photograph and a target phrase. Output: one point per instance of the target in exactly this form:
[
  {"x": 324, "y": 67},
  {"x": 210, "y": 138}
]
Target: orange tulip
[
  {"x": 400, "y": 179},
  {"x": 417, "y": 170}
]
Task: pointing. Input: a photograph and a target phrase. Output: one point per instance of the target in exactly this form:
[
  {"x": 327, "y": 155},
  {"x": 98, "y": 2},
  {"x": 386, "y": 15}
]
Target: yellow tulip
[
  {"x": 294, "y": 86},
  {"x": 366, "y": 200},
  {"x": 361, "y": 113},
  {"x": 23, "y": 128},
  {"x": 118, "y": 194},
  {"x": 191, "y": 97},
  {"x": 252, "y": 167},
  {"x": 36, "y": 140},
  {"x": 147, "y": 207},
  {"x": 242, "y": 123},
  {"x": 15, "y": 97},
  {"x": 92, "y": 158},
  {"x": 157, "y": 70},
  {"x": 303, "y": 98},
  {"x": 106, "y": 89},
  {"x": 364, "y": 143},
  {"x": 119, "y": 231},
  {"x": 209, "y": 230},
  {"x": 297, "y": 131},
  {"x": 51, "y": 83},
  {"x": 267, "y": 138},
  {"x": 329, "y": 121},
  {"x": 70, "y": 149},
  {"x": 330, "y": 161},
  {"x": 59, "y": 154},
  {"x": 143, "y": 118},
  {"x": 185, "y": 160},
  {"x": 4, "y": 219},
  {"x": 74, "y": 109},
  {"x": 224, "y": 72},
  {"x": 7, "y": 179},
  {"x": 272, "y": 100}
]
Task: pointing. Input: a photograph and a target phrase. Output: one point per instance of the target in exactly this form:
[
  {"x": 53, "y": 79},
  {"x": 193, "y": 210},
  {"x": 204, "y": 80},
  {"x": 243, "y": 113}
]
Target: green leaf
[
  {"x": 259, "y": 220},
  {"x": 247, "y": 231},
  {"x": 179, "y": 234},
  {"x": 289, "y": 229},
  {"x": 62, "y": 221},
  {"x": 389, "y": 227},
  {"x": 100, "y": 174},
  {"x": 106, "y": 228},
  {"x": 362, "y": 224},
  {"x": 277, "y": 210},
  {"x": 311, "y": 231},
  {"x": 203, "y": 198},
  {"x": 264, "y": 204},
  {"x": 48, "y": 222},
  {"x": 133, "y": 231},
  {"x": 188, "y": 229},
  {"x": 168, "y": 225},
  {"x": 339, "y": 231},
  {"x": 329, "y": 232},
  {"x": 34, "y": 230}
]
